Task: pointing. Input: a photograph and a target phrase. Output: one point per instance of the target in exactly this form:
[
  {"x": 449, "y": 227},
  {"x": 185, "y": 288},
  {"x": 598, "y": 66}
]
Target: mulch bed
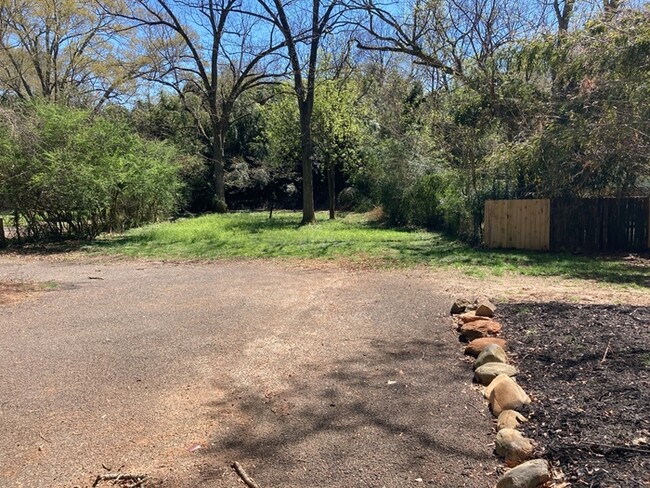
[{"x": 587, "y": 368}]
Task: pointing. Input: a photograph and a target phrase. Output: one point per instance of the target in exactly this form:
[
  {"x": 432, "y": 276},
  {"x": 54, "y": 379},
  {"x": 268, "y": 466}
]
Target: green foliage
[
  {"x": 339, "y": 126},
  {"x": 592, "y": 134},
  {"x": 74, "y": 174},
  {"x": 548, "y": 119},
  {"x": 339, "y": 130},
  {"x": 166, "y": 119},
  {"x": 282, "y": 132}
]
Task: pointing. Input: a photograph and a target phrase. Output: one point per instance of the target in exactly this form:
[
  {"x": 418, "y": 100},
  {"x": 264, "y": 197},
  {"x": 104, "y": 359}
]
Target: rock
[
  {"x": 527, "y": 475},
  {"x": 507, "y": 395},
  {"x": 510, "y": 419},
  {"x": 486, "y": 373},
  {"x": 459, "y": 306},
  {"x": 479, "y": 328},
  {"x": 492, "y": 353},
  {"x": 511, "y": 445},
  {"x": 485, "y": 308},
  {"x": 495, "y": 382},
  {"x": 468, "y": 317},
  {"x": 475, "y": 347}
]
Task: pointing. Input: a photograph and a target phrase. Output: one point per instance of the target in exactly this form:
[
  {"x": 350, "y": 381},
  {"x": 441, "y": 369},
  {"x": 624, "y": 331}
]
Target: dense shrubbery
[{"x": 69, "y": 173}]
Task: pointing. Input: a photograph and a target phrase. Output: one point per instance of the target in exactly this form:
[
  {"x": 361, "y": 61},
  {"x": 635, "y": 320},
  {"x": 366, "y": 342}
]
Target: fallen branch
[
  {"x": 244, "y": 476},
  {"x": 601, "y": 448},
  {"x": 621, "y": 448},
  {"x": 115, "y": 477}
]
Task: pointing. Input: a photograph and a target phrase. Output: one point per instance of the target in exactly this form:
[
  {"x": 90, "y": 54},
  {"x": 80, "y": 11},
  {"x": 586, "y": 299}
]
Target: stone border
[{"x": 505, "y": 397}]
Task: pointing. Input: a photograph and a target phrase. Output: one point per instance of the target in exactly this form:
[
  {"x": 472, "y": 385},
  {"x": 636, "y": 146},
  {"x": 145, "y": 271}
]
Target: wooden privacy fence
[
  {"x": 583, "y": 225},
  {"x": 517, "y": 224}
]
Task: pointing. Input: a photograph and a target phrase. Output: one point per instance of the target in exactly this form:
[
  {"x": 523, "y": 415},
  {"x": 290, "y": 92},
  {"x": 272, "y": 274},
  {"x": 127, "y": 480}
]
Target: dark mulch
[{"x": 587, "y": 368}]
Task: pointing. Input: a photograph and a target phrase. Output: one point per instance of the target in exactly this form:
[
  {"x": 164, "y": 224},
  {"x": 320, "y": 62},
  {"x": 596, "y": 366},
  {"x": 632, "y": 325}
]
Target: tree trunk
[
  {"x": 218, "y": 162},
  {"x": 331, "y": 189},
  {"x": 308, "y": 213},
  {"x": 563, "y": 13},
  {"x": 3, "y": 242}
]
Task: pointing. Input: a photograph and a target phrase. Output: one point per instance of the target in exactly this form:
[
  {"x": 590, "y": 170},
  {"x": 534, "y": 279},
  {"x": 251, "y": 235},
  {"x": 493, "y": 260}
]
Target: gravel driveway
[{"x": 308, "y": 378}]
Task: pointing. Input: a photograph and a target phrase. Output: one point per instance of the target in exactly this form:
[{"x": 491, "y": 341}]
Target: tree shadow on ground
[
  {"x": 619, "y": 268},
  {"x": 375, "y": 419}
]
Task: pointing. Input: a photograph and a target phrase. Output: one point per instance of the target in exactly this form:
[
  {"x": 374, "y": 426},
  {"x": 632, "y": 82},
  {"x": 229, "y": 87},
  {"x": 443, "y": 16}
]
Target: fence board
[{"x": 517, "y": 224}]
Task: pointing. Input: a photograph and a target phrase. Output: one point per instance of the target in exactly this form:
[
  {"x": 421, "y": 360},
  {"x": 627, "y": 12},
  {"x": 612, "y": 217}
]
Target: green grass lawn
[{"x": 355, "y": 238}]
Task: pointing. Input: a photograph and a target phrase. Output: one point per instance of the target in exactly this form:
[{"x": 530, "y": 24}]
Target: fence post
[{"x": 3, "y": 241}]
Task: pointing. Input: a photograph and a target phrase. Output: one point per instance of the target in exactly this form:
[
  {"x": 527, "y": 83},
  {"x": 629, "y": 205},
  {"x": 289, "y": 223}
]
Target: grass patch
[{"x": 355, "y": 238}]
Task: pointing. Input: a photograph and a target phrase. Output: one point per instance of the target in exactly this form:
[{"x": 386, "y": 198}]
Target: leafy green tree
[
  {"x": 339, "y": 133},
  {"x": 209, "y": 53},
  {"x": 303, "y": 35},
  {"x": 591, "y": 138}
]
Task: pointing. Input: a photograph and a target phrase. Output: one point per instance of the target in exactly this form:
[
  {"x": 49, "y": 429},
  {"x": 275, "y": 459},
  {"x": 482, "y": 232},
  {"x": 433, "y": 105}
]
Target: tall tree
[
  {"x": 61, "y": 50},
  {"x": 213, "y": 49},
  {"x": 303, "y": 40}
]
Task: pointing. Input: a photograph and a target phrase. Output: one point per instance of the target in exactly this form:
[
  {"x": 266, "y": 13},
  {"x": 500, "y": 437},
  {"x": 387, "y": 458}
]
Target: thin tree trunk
[
  {"x": 218, "y": 163},
  {"x": 17, "y": 226},
  {"x": 308, "y": 213},
  {"x": 331, "y": 189},
  {"x": 3, "y": 241}
]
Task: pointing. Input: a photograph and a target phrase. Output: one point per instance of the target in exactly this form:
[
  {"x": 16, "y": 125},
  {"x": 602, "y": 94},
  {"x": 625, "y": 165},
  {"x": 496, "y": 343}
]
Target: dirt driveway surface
[{"x": 308, "y": 378}]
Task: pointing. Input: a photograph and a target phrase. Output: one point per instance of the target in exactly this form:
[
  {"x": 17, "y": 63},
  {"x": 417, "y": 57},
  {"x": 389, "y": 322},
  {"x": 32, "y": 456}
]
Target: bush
[{"x": 72, "y": 174}]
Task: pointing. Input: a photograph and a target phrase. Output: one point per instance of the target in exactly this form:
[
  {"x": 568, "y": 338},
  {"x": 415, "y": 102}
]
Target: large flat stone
[
  {"x": 507, "y": 395},
  {"x": 475, "y": 347},
  {"x": 492, "y": 353},
  {"x": 468, "y": 317},
  {"x": 479, "y": 328},
  {"x": 485, "y": 308},
  {"x": 530, "y": 474},
  {"x": 486, "y": 373},
  {"x": 510, "y": 419},
  {"x": 511, "y": 445}
]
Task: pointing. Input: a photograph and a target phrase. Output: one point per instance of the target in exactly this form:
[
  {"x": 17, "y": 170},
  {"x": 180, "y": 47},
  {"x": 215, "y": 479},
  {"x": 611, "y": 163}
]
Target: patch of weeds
[
  {"x": 524, "y": 310},
  {"x": 645, "y": 360}
]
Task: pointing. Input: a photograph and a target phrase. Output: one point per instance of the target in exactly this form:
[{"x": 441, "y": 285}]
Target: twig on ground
[
  {"x": 606, "y": 351},
  {"x": 139, "y": 483},
  {"x": 40, "y": 434},
  {"x": 115, "y": 477},
  {"x": 602, "y": 447},
  {"x": 244, "y": 476}
]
